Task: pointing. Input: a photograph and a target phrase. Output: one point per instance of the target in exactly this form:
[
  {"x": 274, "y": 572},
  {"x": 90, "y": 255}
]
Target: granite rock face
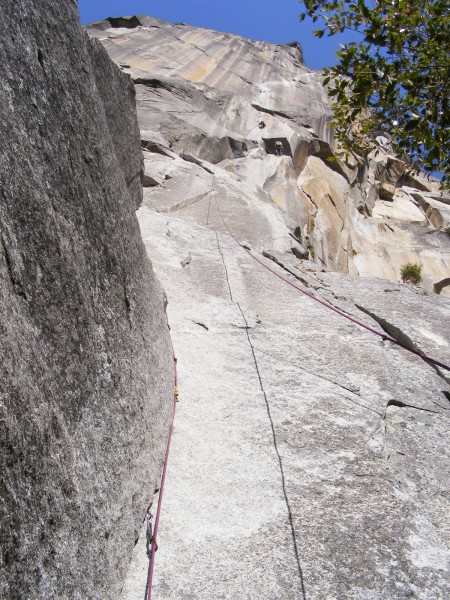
[
  {"x": 314, "y": 456},
  {"x": 310, "y": 457},
  {"x": 85, "y": 365},
  {"x": 228, "y": 100}
]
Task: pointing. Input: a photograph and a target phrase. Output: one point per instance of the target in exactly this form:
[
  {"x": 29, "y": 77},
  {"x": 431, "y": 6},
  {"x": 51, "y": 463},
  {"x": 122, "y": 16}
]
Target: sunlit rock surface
[
  {"x": 310, "y": 457},
  {"x": 227, "y": 100}
]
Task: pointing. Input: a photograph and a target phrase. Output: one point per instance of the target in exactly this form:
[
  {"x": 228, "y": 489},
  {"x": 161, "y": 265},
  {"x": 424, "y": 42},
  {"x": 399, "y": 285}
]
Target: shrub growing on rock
[{"x": 411, "y": 273}]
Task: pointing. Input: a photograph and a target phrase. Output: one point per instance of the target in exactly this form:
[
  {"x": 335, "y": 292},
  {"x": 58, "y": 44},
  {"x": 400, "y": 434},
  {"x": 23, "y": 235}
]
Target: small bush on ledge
[{"x": 411, "y": 273}]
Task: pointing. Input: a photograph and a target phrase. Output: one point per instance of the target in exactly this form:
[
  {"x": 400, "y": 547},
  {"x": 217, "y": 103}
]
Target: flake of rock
[
  {"x": 402, "y": 207},
  {"x": 436, "y": 211}
]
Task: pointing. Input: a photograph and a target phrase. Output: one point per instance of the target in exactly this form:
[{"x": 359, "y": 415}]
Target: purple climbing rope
[
  {"x": 154, "y": 545},
  {"x": 383, "y": 336}
]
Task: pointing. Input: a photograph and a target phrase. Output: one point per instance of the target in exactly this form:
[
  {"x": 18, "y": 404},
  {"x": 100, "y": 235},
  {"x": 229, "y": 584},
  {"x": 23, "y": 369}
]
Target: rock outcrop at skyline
[
  {"x": 85, "y": 364},
  {"x": 310, "y": 457},
  {"x": 205, "y": 93}
]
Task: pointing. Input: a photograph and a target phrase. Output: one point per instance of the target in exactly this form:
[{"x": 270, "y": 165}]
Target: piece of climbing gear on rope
[
  {"x": 150, "y": 527},
  {"x": 150, "y": 537}
]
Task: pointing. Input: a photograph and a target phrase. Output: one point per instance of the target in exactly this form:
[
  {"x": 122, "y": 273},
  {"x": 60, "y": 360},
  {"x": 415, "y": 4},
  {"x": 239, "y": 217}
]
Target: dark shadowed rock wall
[{"x": 85, "y": 366}]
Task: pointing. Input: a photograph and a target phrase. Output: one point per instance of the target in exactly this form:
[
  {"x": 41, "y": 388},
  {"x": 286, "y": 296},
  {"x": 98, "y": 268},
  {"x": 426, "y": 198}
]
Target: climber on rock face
[
  {"x": 278, "y": 148},
  {"x": 261, "y": 124}
]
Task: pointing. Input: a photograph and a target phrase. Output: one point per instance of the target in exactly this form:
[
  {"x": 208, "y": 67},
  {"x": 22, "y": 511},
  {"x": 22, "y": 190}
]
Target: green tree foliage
[{"x": 395, "y": 80}]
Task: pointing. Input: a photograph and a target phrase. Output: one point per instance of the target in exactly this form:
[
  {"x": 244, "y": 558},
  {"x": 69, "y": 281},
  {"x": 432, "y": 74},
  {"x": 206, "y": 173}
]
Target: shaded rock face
[
  {"x": 314, "y": 455},
  {"x": 86, "y": 374},
  {"x": 227, "y": 100}
]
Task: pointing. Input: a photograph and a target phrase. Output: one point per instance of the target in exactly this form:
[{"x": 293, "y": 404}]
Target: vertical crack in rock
[
  {"x": 280, "y": 461},
  {"x": 225, "y": 267},
  {"x": 127, "y": 305},
  {"x": 272, "y": 427},
  {"x": 309, "y": 196}
]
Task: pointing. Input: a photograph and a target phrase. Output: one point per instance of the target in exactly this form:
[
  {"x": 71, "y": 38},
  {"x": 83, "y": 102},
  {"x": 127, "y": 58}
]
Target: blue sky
[{"x": 274, "y": 21}]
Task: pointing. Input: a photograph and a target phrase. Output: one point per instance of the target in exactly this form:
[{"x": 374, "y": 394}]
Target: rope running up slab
[{"x": 383, "y": 336}]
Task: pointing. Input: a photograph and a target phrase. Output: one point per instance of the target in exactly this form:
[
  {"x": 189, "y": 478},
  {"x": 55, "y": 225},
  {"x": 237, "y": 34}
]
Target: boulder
[
  {"x": 386, "y": 190},
  {"x": 401, "y": 207},
  {"x": 436, "y": 209},
  {"x": 85, "y": 364},
  {"x": 385, "y": 168}
]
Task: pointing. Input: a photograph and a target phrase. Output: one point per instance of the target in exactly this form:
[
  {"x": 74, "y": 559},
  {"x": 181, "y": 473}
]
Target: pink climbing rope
[
  {"x": 154, "y": 545},
  {"x": 384, "y": 336}
]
